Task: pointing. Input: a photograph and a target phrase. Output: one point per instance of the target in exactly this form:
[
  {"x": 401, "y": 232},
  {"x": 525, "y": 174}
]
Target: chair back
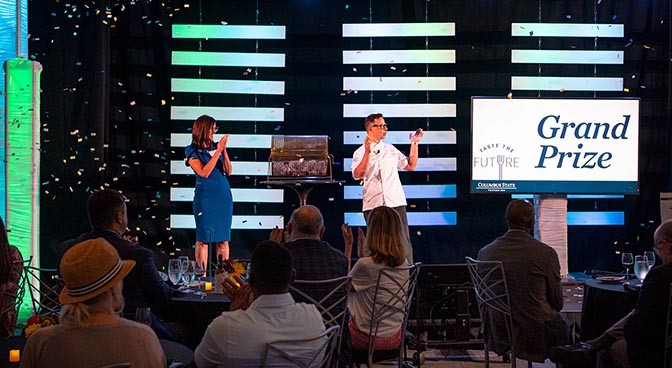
[
  {"x": 44, "y": 286},
  {"x": 494, "y": 306},
  {"x": 668, "y": 332},
  {"x": 284, "y": 353},
  {"x": 392, "y": 298},
  {"x": 330, "y": 296}
]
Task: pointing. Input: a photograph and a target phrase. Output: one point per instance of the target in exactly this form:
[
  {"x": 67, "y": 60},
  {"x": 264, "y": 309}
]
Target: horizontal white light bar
[
  {"x": 242, "y": 59},
  {"x": 235, "y": 140},
  {"x": 411, "y": 191},
  {"x": 252, "y": 195},
  {"x": 252, "y": 168},
  {"x": 574, "y": 196},
  {"x": 399, "y": 56},
  {"x": 567, "y": 56},
  {"x": 566, "y": 30},
  {"x": 595, "y": 218},
  {"x": 227, "y": 86},
  {"x": 217, "y": 31},
  {"x": 399, "y": 83},
  {"x": 240, "y": 222},
  {"x": 398, "y": 29},
  {"x": 414, "y": 218},
  {"x": 430, "y": 137},
  {"x": 400, "y": 110},
  {"x": 424, "y": 164},
  {"x": 566, "y": 84},
  {"x": 228, "y": 113}
]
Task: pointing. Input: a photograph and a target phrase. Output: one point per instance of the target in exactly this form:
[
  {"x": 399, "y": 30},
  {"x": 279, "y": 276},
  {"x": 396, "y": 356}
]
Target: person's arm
[
  {"x": 228, "y": 168},
  {"x": 360, "y": 171},
  {"x": 205, "y": 170},
  {"x": 554, "y": 283},
  {"x": 349, "y": 240},
  {"x": 413, "y": 155}
]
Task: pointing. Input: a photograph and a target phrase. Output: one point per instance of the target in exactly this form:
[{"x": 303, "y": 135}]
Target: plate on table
[{"x": 610, "y": 279}]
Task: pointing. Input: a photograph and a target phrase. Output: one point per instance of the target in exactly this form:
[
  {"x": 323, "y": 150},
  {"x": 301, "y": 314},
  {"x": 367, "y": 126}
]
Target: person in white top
[
  {"x": 376, "y": 163},
  {"x": 262, "y": 311}
]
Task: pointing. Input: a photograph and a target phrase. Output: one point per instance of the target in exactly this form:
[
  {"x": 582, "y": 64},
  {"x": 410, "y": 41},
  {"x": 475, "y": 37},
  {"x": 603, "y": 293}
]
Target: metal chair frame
[
  {"x": 43, "y": 295},
  {"x": 327, "y": 347},
  {"x": 330, "y": 312},
  {"x": 388, "y": 302},
  {"x": 492, "y": 295}
]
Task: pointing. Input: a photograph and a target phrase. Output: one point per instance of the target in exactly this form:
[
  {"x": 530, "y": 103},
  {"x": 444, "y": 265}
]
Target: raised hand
[
  {"x": 239, "y": 292},
  {"x": 362, "y": 250},
  {"x": 348, "y": 239},
  {"x": 417, "y": 136},
  {"x": 221, "y": 145},
  {"x": 277, "y": 235},
  {"x": 367, "y": 144}
]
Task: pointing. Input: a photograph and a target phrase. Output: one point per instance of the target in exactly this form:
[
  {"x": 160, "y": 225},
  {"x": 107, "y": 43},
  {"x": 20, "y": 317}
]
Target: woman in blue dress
[{"x": 213, "y": 203}]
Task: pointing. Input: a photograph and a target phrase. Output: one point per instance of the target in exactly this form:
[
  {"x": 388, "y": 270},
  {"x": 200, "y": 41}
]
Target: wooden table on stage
[{"x": 196, "y": 313}]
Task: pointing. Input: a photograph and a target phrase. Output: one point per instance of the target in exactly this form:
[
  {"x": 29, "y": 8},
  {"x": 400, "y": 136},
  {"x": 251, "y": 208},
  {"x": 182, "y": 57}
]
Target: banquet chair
[
  {"x": 43, "y": 285},
  {"x": 388, "y": 302},
  {"x": 277, "y": 353},
  {"x": 668, "y": 332},
  {"x": 330, "y": 296},
  {"x": 492, "y": 296}
]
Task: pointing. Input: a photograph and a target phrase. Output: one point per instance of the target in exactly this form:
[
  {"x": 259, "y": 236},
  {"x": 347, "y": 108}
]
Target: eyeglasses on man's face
[
  {"x": 382, "y": 126},
  {"x": 658, "y": 246}
]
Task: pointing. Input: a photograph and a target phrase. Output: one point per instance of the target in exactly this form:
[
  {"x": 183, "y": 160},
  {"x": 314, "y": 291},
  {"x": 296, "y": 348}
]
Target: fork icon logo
[{"x": 500, "y": 162}]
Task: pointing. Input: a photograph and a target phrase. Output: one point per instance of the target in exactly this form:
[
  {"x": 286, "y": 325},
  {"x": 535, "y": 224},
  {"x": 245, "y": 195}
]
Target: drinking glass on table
[
  {"x": 143, "y": 315},
  {"x": 650, "y": 258},
  {"x": 174, "y": 273},
  {"x": 641, "y": 267},
  {"x": 184, "y": 264},
  {"x": 189, "y": 274},
  {"x": 627, "y": 260},
  {"x": 199, "y": 271}
]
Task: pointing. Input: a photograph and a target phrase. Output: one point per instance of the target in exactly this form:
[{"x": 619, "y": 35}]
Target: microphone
[{"x": 377, "y": 152}]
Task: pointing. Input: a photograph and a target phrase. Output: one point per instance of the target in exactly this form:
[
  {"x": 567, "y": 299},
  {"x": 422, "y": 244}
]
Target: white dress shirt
[
  {"x": 382, "y": 186},
  {"x": 238, "y": 338}
]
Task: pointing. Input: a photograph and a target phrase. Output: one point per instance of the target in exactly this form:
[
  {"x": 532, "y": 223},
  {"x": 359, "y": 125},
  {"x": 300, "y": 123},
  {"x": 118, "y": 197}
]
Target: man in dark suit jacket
[
  {"x": 637, "y": 340},
  {"x": 532, "y": 271},
  {"x": 143, "y": 287}
]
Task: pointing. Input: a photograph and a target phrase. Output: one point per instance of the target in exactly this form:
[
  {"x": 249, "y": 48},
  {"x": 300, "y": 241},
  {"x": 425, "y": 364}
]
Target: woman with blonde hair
[
  {"x": 91, "y": 333},
  {"x": 384, "y": 247},
  {"x": 213, "y": 201}
]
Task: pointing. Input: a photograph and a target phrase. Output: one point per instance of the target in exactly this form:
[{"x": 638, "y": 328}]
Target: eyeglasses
[
  {"x": 656, "y": 247},
  {"x": 215, "y": 128},
  {"x": 384, "y": 126}
]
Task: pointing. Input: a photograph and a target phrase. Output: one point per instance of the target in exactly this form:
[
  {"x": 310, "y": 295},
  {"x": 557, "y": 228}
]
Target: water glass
[
  {"x": 627, "y": 260},
  {"x": 143, "y": 315},
  {"x": 641, "y": 267},
  {"x": 650, "y": 257},
  {"x": 174, "y": 273}
]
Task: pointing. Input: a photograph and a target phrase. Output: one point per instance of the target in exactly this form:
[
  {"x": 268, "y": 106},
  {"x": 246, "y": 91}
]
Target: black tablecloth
[
  {"x": 196, "y": 313},
  {"x": 603, "y": 304}
]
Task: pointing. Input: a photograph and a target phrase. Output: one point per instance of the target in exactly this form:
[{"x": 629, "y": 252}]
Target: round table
[
  {"x": 603, "y": 305},
  {"x": 196, "y": 313}
]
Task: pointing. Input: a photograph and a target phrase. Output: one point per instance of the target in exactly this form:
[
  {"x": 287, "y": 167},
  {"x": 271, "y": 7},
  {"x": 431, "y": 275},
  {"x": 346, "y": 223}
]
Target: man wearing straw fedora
[{"x": 91, "y": 333}]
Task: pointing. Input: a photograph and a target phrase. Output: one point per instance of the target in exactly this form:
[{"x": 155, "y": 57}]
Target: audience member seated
[
  {"x": 385, "y": 248},
  {"x": 637, "y": 340},
  {"x": 143, "y": 287},
  {"x": 532, "y": 271},
  {"x": 11, "y": 267},
  {"x": 91, "y": 333},
  {"x": 262, "y": 311},
  {"x": 313, "y": 258}
]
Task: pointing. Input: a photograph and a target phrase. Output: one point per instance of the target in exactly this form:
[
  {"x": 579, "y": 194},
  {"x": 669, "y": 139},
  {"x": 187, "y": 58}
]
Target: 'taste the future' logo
[{"x": 496, "y": 156}]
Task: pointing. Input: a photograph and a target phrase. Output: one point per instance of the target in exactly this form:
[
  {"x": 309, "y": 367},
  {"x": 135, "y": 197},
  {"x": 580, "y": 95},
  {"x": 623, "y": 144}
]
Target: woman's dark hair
[
  {"x": 200, "y": 132},
  {"x": 5, "y": 258}
]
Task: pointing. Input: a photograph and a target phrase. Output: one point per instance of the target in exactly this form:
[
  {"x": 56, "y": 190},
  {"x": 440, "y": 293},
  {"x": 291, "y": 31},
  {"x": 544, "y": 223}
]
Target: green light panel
[
  {"x": 244, "y": 59},
  {"x": 207, "y": 31},
  {"x": 227, "y": 86},
  {"x": 22, "y": 171}
]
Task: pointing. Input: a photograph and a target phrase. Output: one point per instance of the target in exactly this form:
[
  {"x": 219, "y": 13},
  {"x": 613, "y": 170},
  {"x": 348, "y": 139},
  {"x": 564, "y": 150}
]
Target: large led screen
[{"x": 554, "y": 145}]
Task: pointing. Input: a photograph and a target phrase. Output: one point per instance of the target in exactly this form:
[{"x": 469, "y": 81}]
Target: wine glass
[
  {"x": 189, "y": 274},
  {"x": 627, "y": 260},
  {"x": 174, "y": 273},
  {"x": 650, "y": 258},
  {"x": 641, "y": 267},
  {"x": 199, "y": 271},
  {"x": 143, "y": 315},
  {"x": 183, "y": 264}
]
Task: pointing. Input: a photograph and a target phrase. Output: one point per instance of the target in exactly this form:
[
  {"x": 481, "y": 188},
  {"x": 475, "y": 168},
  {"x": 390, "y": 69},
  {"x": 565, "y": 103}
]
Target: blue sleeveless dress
[{"x": 213, "y": 202}]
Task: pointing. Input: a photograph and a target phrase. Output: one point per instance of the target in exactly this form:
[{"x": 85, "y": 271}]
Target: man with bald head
[
  {"x": 532, "y": 271},
  {"x": 314, "y": 259}
]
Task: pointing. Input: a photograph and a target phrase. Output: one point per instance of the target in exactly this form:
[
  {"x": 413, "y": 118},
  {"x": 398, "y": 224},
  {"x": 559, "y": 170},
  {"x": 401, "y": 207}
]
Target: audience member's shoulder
[{"x": 138, "y": 327}]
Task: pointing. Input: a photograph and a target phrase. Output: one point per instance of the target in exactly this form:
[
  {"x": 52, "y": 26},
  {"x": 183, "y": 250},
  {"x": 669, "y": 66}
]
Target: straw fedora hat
[{"x": 89, "y": 269}]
